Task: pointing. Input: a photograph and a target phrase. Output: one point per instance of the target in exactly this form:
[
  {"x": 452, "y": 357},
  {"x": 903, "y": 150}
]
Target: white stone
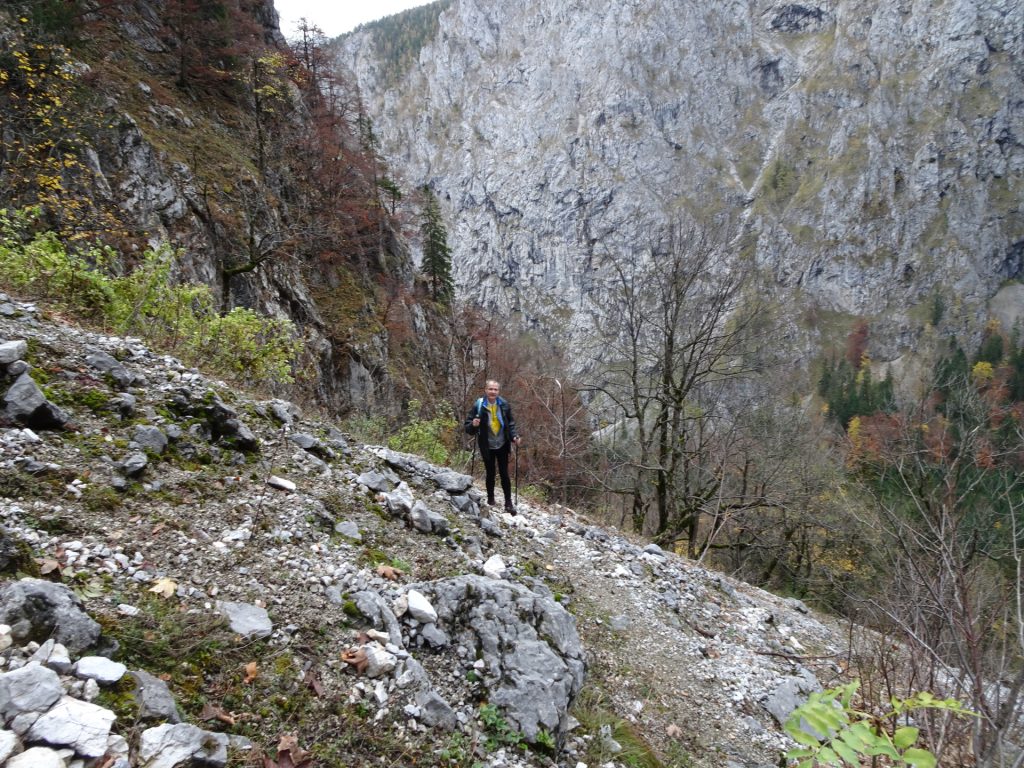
[
  {"x": 420, "y": 608},
  {"x": 495, "y": 567},
  {"x": 380, "y": 662},
  {"x": 99, "y": 668},
  {"x": 77, "y": 724},
  {"x": 37, "y": 757},
  {"x": 169, "y": 746},
  {"x": 32, "y": 688},
  {"x": 9, "y": 744},
  {"x": 279, "y": 482}
]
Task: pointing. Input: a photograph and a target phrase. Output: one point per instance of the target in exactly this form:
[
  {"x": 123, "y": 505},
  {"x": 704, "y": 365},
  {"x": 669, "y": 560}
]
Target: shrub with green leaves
[
  {"x": 429, "y": 438},
  {"x": 175, "y": 317},
  {"x": 830, "y": 731}
]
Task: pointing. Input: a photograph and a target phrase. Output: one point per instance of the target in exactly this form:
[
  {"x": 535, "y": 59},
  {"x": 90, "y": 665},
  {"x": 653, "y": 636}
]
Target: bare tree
[
  {"x": 946, "y": 483},
  {"x": 678, "y": 330}
]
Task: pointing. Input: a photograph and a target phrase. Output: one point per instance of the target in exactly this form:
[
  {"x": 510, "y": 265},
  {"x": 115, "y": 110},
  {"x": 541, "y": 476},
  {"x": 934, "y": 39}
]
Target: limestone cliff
[{"x": 869, "y": 153}]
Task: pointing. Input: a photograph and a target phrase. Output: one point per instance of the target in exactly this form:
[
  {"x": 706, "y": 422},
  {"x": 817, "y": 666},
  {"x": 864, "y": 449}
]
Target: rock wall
[{"x": 864, "y": 155}]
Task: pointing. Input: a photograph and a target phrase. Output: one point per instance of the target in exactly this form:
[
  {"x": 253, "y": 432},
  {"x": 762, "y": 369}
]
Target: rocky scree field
[{"x": 295, "y": 596}]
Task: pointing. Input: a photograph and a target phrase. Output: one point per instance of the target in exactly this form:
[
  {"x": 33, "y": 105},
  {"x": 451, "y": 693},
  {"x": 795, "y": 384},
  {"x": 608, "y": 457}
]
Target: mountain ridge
[{"x": 867, "y": 156}]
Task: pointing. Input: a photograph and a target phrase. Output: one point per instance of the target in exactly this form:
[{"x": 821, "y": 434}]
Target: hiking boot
[
  {"x": 509, "y": 508},
  {"x": 491, "y": 502}
]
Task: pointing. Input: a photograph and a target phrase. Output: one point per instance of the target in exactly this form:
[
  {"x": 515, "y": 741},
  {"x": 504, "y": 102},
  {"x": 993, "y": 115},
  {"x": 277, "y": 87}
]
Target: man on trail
[{"x": 491, "y": 420}]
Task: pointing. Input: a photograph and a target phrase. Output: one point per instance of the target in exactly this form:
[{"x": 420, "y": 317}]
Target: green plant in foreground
[
  {"x": 498, "y": 732},
  {"x": 831, "y": 732}
]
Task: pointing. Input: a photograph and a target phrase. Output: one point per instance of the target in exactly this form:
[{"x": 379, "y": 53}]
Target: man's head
[{"x": 491, "y": 387}]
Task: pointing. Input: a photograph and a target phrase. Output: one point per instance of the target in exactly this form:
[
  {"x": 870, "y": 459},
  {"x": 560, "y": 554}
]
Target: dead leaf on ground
[
  {"x": 164, "y": 587},
  {"x": 46, "y": 565},
  {"x": 157, "y": 528},
  {"x": 674, "y": 731},
  {"x": 289, "y": 754},
  {"x": 389, "y": 572},
  {"x": 356, "y": 657},
  {"x": 251, "y": 672},
  {"x": 211, "y": 712}
]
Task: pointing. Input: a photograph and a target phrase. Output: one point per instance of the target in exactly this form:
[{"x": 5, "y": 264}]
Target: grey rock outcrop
[
  {"x": 869, "y": 153},
  {"x": 533, "y": 660}
]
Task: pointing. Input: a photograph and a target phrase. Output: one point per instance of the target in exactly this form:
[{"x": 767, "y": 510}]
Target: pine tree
[{"x": 437, "y": 256}]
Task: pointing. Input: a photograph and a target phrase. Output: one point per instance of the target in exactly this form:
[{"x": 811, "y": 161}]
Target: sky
[{"x": 339, "y": 16}]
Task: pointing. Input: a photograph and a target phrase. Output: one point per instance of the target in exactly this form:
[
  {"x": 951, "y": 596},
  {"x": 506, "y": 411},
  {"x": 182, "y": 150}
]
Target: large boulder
[
  {"x": 26, "y": 404},
  {"x": 533, "y": 659},
  {"x": 38, "y": 610}
]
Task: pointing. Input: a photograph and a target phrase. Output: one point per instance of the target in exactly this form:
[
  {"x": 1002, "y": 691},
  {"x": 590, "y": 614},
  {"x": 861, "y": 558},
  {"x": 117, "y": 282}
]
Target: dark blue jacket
[{"x": 479, "y": 411}]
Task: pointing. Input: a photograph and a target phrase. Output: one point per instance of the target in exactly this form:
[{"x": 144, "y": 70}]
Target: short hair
[{"x": 492, "y": 381}]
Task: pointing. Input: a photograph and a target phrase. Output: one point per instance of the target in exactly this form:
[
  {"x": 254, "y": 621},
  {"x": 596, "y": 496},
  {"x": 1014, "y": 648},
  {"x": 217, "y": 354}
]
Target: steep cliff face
[
  {"x": 868, "y": 155},
  {"x": 192, "y": 131}
]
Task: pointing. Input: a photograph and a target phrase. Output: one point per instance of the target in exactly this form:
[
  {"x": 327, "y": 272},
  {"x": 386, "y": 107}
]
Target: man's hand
[{"x": 476, "y": 422}]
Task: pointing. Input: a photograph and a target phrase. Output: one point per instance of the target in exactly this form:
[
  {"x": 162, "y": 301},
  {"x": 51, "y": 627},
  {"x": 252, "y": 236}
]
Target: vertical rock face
[{"x": 868, "y": 154}]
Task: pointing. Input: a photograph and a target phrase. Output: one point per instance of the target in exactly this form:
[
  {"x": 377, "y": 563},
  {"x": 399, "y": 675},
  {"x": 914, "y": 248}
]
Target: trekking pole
[
  {"x": 472, "y": 460},
  {"x": 516, "y": 444}
]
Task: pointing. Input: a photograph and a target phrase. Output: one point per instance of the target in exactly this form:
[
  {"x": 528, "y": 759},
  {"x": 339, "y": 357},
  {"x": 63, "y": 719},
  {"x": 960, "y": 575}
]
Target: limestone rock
[
  {"x": 181, "y": 744},
  {"x": 154, "y": 698},
  {"x": 246, "y": 620},
  {"x": 32, "y": 688},
  {"x": 37, "y": 610},
  {"x": 77, "y": 724}
]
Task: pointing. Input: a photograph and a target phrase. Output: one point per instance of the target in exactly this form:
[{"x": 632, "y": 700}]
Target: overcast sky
[{"x": 339, "y": 16}]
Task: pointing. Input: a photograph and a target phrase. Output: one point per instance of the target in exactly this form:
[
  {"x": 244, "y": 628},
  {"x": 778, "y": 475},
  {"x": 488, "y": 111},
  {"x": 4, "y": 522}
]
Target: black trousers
[{"x": 498, "y": 459}]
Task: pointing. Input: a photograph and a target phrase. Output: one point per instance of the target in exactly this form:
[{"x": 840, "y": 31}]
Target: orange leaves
[
  {"x": 251, "y": 672},
  {"x": 211, "y": 712},
  {"x": 356, "y": 657},
  {"x": 389, "y": 572}
]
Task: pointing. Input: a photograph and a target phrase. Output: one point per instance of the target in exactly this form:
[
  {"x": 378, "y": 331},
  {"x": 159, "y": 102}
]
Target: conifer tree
[{"x": 437, "y": 256}]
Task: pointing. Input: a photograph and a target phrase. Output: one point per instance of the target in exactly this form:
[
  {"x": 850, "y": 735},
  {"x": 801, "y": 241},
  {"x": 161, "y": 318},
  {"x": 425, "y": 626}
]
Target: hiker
[{"x": 491, "y": 420}]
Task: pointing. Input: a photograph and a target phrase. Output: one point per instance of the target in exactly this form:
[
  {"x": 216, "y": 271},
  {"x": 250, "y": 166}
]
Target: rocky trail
[{"x": 218, "y": 579}]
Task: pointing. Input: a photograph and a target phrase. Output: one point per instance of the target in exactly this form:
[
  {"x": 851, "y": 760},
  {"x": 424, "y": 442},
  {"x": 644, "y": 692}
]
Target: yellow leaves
[
  {"x": 164, "y": 587},
  {"x": 982, "y": 372},
  {"x": 853, "y": 431},
  {"x": 49, "y": 182},
  {"x": 251, "y": 672}
]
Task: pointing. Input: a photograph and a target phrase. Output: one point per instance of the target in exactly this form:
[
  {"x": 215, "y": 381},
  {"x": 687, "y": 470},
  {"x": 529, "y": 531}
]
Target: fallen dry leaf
[
  {"x": 164, "y": 587},
  {"x": 157, "y": 528},
  {"x": 356, "y": 657},
  {"x": 251, "y": 672},
  {"x": 388, "y": 572},
  {"x": 47, "y": 566},
  {"x": 674, "y": 731},
  {"x": 290, "y": 754},
  {"x": 211, "y": 712}
]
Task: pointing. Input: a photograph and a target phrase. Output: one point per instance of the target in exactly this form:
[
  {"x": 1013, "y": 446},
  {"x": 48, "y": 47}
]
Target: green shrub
[
  {"x": 176, "y": 317},
  {"x": 430, "y": 438},
  {"x": 830, "y": 731}
]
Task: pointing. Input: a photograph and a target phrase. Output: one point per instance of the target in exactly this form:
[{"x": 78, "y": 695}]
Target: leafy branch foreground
[
  {"x": 178, "y": 318},
  {"x": 832, "y": 732}
]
